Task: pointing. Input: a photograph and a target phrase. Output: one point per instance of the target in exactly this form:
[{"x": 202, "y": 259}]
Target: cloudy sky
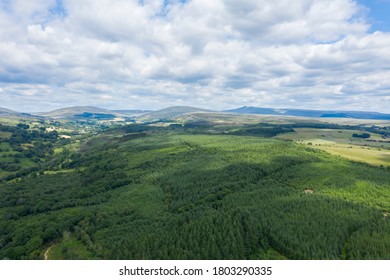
[{"x": 219, "y": 54}]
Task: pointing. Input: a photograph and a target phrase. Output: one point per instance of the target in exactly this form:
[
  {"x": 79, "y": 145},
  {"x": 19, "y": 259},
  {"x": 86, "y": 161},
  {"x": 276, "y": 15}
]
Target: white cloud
[{"x": 215, "y": 54}]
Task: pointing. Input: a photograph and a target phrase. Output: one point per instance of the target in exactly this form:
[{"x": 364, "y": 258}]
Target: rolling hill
[
  {"x": 10, "y": 114},
  {"x": 81, "y": 112},
  {"x": 170, "y": 112},
  {"x": 5, "y": 111}
]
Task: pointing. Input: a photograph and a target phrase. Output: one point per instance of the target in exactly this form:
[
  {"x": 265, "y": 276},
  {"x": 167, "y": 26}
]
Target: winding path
[{"x": 47, "y": 253}]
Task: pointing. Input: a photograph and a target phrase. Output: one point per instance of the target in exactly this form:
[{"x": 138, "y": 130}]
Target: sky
[{"x": 220, "y": 54}]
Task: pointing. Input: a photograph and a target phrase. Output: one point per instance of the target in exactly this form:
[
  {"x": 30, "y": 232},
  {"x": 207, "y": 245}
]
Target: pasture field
[
  {"x": 370, "y": 155},
  {"x": 374, "y": 150},
  {"x": 9, "y": 120},
  {"x": 5, "y": 135}
]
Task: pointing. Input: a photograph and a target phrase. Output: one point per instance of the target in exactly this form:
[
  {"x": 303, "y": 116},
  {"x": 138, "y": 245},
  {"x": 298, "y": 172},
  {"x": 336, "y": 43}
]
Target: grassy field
[
  {"x": 369, "y": 155},
  {"x": 5, "y": 134},
  {"x": 5, "y": 146},
  {"x": 375, "y": 150},
  {"x": 361, "y": 122},
  {"x": 9, "y": 120},
  {"x": 335, "y": 135},
  {"x": 50, "y": 172}
]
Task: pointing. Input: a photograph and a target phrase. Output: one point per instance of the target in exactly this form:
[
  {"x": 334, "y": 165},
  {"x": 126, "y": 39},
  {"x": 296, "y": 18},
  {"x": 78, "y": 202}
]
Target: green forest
[{"x": 187, "y": 192}]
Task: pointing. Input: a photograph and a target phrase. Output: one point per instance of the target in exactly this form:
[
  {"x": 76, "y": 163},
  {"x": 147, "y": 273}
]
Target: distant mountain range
[
  {"x": 85, "y": 112},
  {"x": 311, "y": 113},
  {"x": 88, "y": 113}
]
